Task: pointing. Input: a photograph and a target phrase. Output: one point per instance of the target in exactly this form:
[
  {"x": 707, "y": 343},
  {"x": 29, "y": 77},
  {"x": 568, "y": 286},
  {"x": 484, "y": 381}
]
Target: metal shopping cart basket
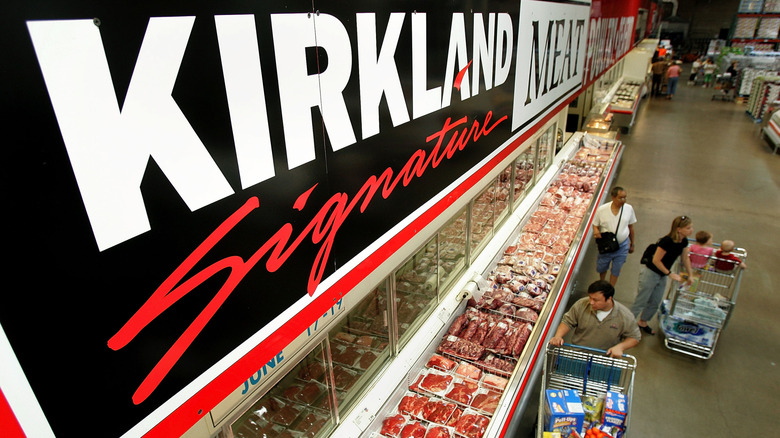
[
  {"x": 590, "y": 372},
  {"x": 692, "y": 317}
]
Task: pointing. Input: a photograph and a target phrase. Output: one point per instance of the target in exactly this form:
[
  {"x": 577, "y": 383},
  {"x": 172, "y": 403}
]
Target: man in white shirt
[{"x": 619, "y": 218}]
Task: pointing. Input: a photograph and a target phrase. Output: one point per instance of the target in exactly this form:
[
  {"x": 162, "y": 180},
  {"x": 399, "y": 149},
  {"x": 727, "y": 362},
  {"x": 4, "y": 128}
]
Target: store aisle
[{"x": 702, "y": 158}]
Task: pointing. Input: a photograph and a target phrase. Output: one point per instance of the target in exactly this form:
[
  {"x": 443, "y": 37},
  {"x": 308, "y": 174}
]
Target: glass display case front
[
  {"x": 416, "y": 289},
  {"x": 452, "y": 250},
  {"x": 482, "y": 217}
]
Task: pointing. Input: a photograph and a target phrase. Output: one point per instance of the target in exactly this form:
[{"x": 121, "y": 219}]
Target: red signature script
[{"x": 321, "y": 230}]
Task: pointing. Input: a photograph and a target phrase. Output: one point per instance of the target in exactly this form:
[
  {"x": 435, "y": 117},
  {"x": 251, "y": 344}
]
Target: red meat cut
[
  {"x": 413, "y": 405},
  {"x": 438, "y": 432},
  {"x": 436, "y": 382},
  {"x": 413, "y": 430},
  {"x": 441, "y": 362},
  {"x": 486, "y": 402},
  {"x": 472, "y": 425},
  {"x": 392, "y": 425},
  {"x": 438, "y": 411}
]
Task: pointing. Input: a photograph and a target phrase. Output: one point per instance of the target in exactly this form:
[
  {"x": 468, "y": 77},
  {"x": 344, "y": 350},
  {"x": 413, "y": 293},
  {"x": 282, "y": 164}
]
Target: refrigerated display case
[{"x": 391, "y": 347}]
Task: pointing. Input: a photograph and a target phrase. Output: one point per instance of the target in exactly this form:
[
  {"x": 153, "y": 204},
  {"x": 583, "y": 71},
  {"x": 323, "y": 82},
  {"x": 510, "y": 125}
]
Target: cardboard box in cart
[
  {"x": 615, "y": 410},
  {"x": 563, "y": 412}
]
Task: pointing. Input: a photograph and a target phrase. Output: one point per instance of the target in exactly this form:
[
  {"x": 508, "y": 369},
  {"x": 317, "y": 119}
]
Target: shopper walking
[
  {"x": 618, "y": 218},
  {"x": 672, "y": 77},
  {"x": 652, "y": 278},
  {"x": 694, "y": 71},
  {"x": 658, "y": 68},
  {"x": 709, "y": 70},
  {"x": 599, "y": 322}
]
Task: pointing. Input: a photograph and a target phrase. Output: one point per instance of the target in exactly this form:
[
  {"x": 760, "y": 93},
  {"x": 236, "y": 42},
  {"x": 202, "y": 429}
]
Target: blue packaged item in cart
[
  {"x": 563, "y": 412},
  {"x": 615, "y": 409}
]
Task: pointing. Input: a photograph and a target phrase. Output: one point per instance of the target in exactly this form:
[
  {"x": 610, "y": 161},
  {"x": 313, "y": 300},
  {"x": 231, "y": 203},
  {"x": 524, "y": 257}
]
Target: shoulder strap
[{"x": 617, "y": 227}]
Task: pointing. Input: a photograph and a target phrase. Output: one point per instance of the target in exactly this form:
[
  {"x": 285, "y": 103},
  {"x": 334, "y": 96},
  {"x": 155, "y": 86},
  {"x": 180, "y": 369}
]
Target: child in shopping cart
[
  {"x": 725, "y": 261},
  {"x": 702, "y": 250}
]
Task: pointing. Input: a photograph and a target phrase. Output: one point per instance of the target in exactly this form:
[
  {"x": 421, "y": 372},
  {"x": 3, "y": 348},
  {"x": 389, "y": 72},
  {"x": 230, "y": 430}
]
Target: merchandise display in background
[
  {"x": 768, "y": 28},
  {"x": 746, "y": 27}
]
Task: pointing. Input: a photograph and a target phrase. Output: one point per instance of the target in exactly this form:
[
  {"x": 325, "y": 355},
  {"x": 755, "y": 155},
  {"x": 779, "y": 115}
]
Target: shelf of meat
[{"x": 461, "y": 385}]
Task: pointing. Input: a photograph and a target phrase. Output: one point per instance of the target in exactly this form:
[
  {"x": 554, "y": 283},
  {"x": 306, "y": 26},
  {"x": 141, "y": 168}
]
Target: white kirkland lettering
[
  {"x": 240, "y": 56},
  {"x": 457, "y": 49},
  {"x": 299, "y": 92},
  {"x": 424, "y": 100},
  {"x": 484, "y": 48},
  {"x": 504, "y": 38},
  {"x": 379, "y": 73},
  {"x": 109, "y": 149}
]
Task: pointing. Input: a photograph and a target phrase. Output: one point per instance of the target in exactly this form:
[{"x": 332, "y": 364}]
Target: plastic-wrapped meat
[
  {"x": 548, "y": 199},
  {"x": 392, "y": 425},
  {"x": 438, "y": 432},
  {"x": 522, "y": 337},
  {"x": 309, "y": 393},
  {"x": 472, "y": 425},
  {"x": 365, "y": 341},
  {"x": 455, "y": 417},
  {"x": 494, "y": 381},
  {"x": 415, "y": 386},
  {"x": 542, "y": 284},
  {"x": 482, "y": 331},
  {"x": 502, "y": 347},
  {"x": 413, "y": 430},
  {"x": 532, "y": 228},
  {"x": 530, "y": 303},
  {"x": 486, "y": 401},
  {"x": 311, "y": 371},
  {"x": 497, "y": 365},
  {"x": 516, "y": 286},
  {"x": 438, "y": 411},
  {"x": 458, "y": 324},
  {"x": 366, "y": 360},
  {"x": 503, "y": 295},
  {"x": 505, "y": 309},
  {"x": 413, "y": 405},
  {"x": 348, "y": 356},
  {"x": 463, "y": 392},
  {"x": 436, "y": 382},
  {"x": 497, "y": 332},
  {"x": 468, "y": 370},
  {"x": 291, "y": 392},
  {"x": 441, "y": 362},
  {"x": 470, "y": 329},
  {"x": 526, "y": 314},
  {"x": 344, "y": 379},
  {"x": 461, "y": 348},
  {"x": 286, "y": 416},
  {"x": 533, "y": 289}
]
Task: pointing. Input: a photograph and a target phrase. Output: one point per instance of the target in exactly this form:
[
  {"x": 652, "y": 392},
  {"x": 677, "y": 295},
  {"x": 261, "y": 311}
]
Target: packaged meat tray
[
  {"x": 306, "y": 393},
  {"x": 468, "y": 370},
  {"x": 344, "y": 378},
  {"x": 471, "y": 424},
  {"x": 486, "y": 401},
  {"x": 413, "y": 429},
  {"x": 494, "y": 382},
  {"x": 438, "y": 431},
  {"x": 462, "y": 348},
  {"x": 462, "y": 391},
  {"x": 438, "y": 411},
  {"x": 310, "y": 422},
  {"x": 345, "y": 355},
  {"x": 413, "y": 405},
  {"x": 440, "y": 362},
  {"x": 366, "y": 359},
  {"x": 436, "y": 382},
  {"x": 392, "y": 426}
]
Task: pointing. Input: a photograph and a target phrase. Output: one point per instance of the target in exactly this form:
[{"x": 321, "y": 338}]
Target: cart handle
[{"x": 595, "y": 350}]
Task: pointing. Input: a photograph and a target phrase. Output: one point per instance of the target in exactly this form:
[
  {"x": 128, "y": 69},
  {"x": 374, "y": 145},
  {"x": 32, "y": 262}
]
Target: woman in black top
[{"x": 652, "y": 278}]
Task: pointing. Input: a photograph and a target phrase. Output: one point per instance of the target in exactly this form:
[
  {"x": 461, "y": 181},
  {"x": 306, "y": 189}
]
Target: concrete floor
[{"x": 705, "y": 159}]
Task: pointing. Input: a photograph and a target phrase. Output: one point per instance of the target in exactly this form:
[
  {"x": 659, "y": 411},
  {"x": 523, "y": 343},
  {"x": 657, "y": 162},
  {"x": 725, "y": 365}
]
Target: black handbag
[
  {"x": 647, "y": 256},
  {"x": 608, "y": 243}
]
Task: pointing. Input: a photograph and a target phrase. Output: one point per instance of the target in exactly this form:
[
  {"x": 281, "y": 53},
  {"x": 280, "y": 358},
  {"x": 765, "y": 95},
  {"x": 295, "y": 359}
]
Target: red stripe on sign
[{"x": 9, "y": 425}]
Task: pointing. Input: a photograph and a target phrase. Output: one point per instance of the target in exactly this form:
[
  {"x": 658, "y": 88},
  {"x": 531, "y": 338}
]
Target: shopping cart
[
  {"x": 590, "y": 372},
  {"x": 693, "y": 316},
  {"x": 724, "y": 87}
]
